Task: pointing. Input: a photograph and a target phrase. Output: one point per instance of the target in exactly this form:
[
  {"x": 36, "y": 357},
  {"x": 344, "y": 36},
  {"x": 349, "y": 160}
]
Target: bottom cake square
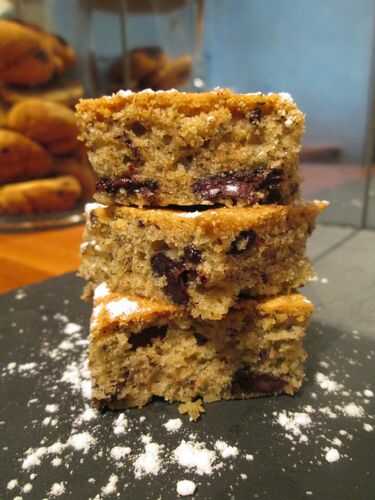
[{"x": 140, "y": 349}]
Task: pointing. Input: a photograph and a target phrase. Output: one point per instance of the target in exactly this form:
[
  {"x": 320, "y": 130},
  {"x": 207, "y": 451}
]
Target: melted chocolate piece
[
  {"x": 244, "y": 381},
  {"x": 243, "y": 242},
  {"x": 146, "y": 336},
  {"x": 177, "y": 272},
  {"x": 131, "y": 185},
  {"x": 260, "y": 185},
  {"x": 201, "y": 340},
  {"x": 41, "y": 55},
  {"x": 135, "y": 155},
  {"x": 255, "y": 115},
  {"x": 177, "y": 276},
  {"x": 138, "y": 129},
  {"x": 192, "y": 254}
]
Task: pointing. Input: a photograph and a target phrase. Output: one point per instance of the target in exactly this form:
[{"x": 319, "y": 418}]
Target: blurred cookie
[
  {"x": 60, "y": 48},
  {"x": 66, "y": 93},
  {"x": 146, "y": 60},
  {"x": 142, "y": 62},
  {"x": 45, "y": 195},
  {"x": 30, "y": 56},
  {"x": 173, "y": 74},
  {"x": 81, "y": 170},
  {"x": 21, "y": 158},
  {"x": 3, "y": 114},
  {"x": 25, "y": 58},
  {"x": 48, "y": 123}
]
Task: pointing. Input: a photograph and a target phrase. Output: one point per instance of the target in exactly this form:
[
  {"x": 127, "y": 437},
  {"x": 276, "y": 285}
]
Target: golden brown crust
[
  {"x": 221, "y": 221},
  {"x": 186, "y": 103},
  {"x": 148, "y": 311},
  {"x": 48, "y": 123},
  {"x": 21, "y": 158},
  {"x": 46, "y": 195}
]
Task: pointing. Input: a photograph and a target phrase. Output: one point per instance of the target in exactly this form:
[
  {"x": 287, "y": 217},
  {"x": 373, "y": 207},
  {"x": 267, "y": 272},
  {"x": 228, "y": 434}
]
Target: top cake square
[{"x": 174, "y": 148}]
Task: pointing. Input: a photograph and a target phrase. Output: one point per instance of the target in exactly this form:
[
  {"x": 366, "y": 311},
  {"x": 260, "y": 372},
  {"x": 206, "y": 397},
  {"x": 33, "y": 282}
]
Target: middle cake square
[{"x": 202, "y": 260}]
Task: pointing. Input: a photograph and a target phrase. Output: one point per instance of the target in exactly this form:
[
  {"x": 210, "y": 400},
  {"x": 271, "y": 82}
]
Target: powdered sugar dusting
[
  {"x": 195, "y": 456},
  {"x": 185, "y": 487},
  {"x": 332, "y": 455},
  {"x": 111, "y": 487},
  {"x": 57, "y": 489},
  {"x": 89, "y": 207},
  {"x": 173, "y": 424},
  {"x": 101, "y": 291},
  {"x": 63, "y": 431},
  {"x": 189, "y": 215},
  {"x": 149, "y": 461},
  {"x": 121, "y": 307}
]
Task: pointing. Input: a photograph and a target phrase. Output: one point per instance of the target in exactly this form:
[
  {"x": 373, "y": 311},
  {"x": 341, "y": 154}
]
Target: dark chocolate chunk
[
  {"x": 247, "y": 382},
  {"x": 186, "y": 160},
  {"x": 192, "y": 254},
  {"x": 133, "y": 155},
  {"x": 201, "y": 340},
  {"x": 138, "y": 129},
  {"x": 243, "y": 242},
  {"x": 255, "y": 115},
  {"x": 146, "y": 336},
  {"x": 259, "y": 185},
  {"x": 41, "y": 55},
  {"x": 176, "y": 274},
  {"x": 147, "y": 188}
]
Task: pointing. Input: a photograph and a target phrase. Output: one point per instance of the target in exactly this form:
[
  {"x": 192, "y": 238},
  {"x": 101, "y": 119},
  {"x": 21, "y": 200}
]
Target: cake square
[
  {"x": 140, "y": 349},
  {"x": 202, "y": 260},
  {"x": 175, "y": 148}
]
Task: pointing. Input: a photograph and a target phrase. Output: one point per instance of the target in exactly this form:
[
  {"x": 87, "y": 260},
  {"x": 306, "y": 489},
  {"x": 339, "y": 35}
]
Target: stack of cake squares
[{"x": 196, "y": 248}]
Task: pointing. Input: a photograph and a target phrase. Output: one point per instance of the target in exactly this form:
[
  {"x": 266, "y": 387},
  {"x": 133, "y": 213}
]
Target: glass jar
[{"x": 139, "y": 44}]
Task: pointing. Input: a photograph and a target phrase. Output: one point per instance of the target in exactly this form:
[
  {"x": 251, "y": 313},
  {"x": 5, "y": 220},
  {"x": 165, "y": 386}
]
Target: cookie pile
[
  {"x": 151, "y": 67},
  {"x": 43, "y": 168},
  {"x": 195, "y": 252}
]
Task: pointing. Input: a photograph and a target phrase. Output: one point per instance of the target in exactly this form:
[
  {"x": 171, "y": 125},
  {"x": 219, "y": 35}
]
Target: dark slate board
[{"x": 279, "y": 470}]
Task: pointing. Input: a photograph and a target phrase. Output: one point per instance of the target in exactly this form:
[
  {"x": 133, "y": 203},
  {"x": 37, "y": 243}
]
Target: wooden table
[{"x": 31, "y": 257}]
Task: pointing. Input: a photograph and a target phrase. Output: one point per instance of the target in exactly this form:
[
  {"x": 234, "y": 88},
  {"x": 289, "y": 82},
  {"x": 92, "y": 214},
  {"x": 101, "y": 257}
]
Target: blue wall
[{"x": 318, "y": 51}]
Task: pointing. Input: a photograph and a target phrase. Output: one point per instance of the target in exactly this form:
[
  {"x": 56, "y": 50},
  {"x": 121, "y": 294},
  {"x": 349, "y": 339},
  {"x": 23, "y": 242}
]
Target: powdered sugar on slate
[{"x": 131, "y": 448}]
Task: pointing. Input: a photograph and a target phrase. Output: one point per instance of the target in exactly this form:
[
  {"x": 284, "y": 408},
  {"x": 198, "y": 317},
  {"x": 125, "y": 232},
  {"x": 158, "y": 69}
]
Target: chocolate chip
[
  {"x": 41, "y": 55},
  {"x": 176, "y": 274},
  {"x": 255, "y": 115},
  {"x": 186, "y": 161},
  {"x": 192, "y": 254},
  {"x": 133, "y": 155},
  {"x": 146, "y": 188},
  {"x": 259, "y": 185},
  {"x": 201, "y": 340},
  {"x": 138, "y": 129},
  {"x": 146, "y": 336},
  {"x": 243, "y": 242},
  {"x": 245, "y": 381}
]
